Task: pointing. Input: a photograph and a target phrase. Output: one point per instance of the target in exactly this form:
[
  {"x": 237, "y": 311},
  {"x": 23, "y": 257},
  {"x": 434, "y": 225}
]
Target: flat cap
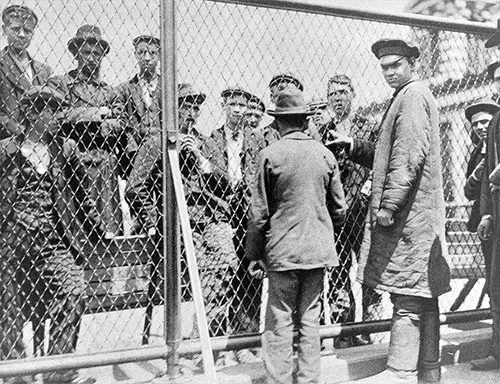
[
  {"x": 386, "y": 47},
  {"x": 19, "y": 11},
  {"x": 257, "y": 102},
  {"x": 494, "y": 39},
  {"x": 482, "y": 105},
  {"x": 186, "y": 91},
  {"x": 317, "y": 103},
  {"x": 146, "y": 38},
  {"x": 235, "y": 90},
  {"x": 284, "y": 78},
  {"x": 44, "y": 93}
]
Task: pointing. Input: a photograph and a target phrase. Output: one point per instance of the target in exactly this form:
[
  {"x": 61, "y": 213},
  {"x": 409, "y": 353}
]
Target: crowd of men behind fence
[{"x": 81, "y": 163}]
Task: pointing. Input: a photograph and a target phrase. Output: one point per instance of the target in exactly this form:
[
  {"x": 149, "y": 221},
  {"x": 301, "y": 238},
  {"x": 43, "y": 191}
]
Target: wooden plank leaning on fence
[{"x": 194, "y": 277}]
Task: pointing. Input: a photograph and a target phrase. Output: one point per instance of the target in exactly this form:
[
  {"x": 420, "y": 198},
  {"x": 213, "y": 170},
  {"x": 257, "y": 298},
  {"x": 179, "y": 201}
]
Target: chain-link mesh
[{"x": 81, "y": 156}]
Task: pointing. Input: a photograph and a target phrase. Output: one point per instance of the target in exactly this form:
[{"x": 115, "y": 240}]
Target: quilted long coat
[{"x": 410, "y": 256}]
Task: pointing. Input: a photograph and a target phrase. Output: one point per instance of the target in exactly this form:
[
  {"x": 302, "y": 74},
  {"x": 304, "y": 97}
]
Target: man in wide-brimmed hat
[
  {"x": 43, "y": 234},
  {"x": 404, "y": 250},
  {"x": 18, "y": 70},
  {"x": 92, "y": 121},
  {"x": 277, "y": 83},
  {"x": 297, "y": 201},
  {"x": 489, "y": 226}
]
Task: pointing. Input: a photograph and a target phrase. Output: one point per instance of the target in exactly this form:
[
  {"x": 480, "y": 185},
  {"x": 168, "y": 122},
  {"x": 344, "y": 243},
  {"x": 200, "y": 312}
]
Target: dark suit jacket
[
  {"x": 138, "y": 120},
  {"x": 214, "y": 149},
  {"x": 13, "y": 84},
  {"x": 76, "y": 212}
]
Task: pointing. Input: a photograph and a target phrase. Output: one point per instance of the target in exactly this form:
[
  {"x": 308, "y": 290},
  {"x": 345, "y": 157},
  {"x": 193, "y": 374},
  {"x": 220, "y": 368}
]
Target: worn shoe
[
  {"x": 225, "y": 359},
  {"x": 390, "y": 376},
  {"x": 341, "y": 342},
  {"x": 245, "y": 356},
  {"x": 485, "y": 364},
  {"x": 361, "y": 340},
  {"x": 19, "y": 380}
]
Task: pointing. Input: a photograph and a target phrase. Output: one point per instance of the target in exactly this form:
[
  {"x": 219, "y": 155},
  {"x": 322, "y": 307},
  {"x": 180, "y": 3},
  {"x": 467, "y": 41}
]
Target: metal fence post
[{"x": 170, "y": 223}]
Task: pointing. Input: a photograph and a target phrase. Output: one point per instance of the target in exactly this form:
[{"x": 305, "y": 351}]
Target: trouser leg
[
  {"x": 404, "y": 343},
  {"x": 494, "y": 291},
  {"x": 309, "y": 346},
  {"x": 429, "y": 364},
  {"x": 64, "y": 287},
  {"x": 277, "y": 339}
]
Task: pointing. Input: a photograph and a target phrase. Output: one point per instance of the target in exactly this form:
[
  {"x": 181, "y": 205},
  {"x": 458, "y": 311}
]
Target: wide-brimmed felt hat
[
  {"x": 290, "y": 101},
  {"x": 186, "y": 92},
  {"x": 146, "y": 38},
  {"x": 482, "y": 105},
  {"x": 235, "y": 90},
  {"x": 87, "y": 33},
  {"x": 284, "y": 78},
  {"x": 385, "y": 47},
  {"x": 45, "y": 94},
  {"x": 19, "y": 11},
  {"x": 258, "y": 102},
  {"x": 492, "y": 68},
  {"x": 494, "y": 39}
]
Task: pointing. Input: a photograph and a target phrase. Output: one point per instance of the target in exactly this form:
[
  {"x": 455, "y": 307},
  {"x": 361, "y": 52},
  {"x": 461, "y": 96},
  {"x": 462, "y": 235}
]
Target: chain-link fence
[{"x": 82, "y": 173}]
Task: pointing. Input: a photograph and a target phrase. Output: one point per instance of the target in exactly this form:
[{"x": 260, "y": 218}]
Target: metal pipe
[
  {"x": 50, "y": 363},
  {"x": 54, "y": 363},
  {"x": 321, "y": 7},
  {"x": 172, "y": 269}
]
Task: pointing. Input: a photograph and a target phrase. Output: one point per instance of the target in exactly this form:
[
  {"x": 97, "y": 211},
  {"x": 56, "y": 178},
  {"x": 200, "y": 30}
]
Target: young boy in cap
[
  {"x": 140, "y": 99},
  {"x": 297, "y": 201},
  {"x": 404, "y": 251},
  {"x": 232, "y": 150},
  {"x": 43, "y": 197},
  {"x": 18, "y": 70}
]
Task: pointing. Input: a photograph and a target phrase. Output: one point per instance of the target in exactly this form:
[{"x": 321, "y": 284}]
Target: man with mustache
[{"x": 355, "y": 179}]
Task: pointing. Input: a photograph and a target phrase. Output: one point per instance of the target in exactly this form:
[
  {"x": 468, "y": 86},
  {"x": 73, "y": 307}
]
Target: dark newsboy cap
[
  {"x": 186, "y": 92},
  {"x": 284, "y": 78},
  {"x": 146, "y": 38},
  {"x": 494, "y": 39},
  {"x": 87, "y": 33},
  {"x": 483, "y": 105},
  {"x": 235, "y": 90},
  {"x": 257, "y": 102},
  {"x": 386, "y": 47},
  {"x": 19, "y": 11}
]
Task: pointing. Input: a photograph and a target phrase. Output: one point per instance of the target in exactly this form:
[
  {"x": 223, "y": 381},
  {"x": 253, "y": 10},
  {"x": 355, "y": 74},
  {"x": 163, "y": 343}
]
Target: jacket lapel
[{"x": 12, "y": 72}]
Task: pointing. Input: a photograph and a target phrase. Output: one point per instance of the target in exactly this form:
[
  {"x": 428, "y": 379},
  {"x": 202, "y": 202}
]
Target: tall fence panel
[{"x": 82, "y": 156}]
